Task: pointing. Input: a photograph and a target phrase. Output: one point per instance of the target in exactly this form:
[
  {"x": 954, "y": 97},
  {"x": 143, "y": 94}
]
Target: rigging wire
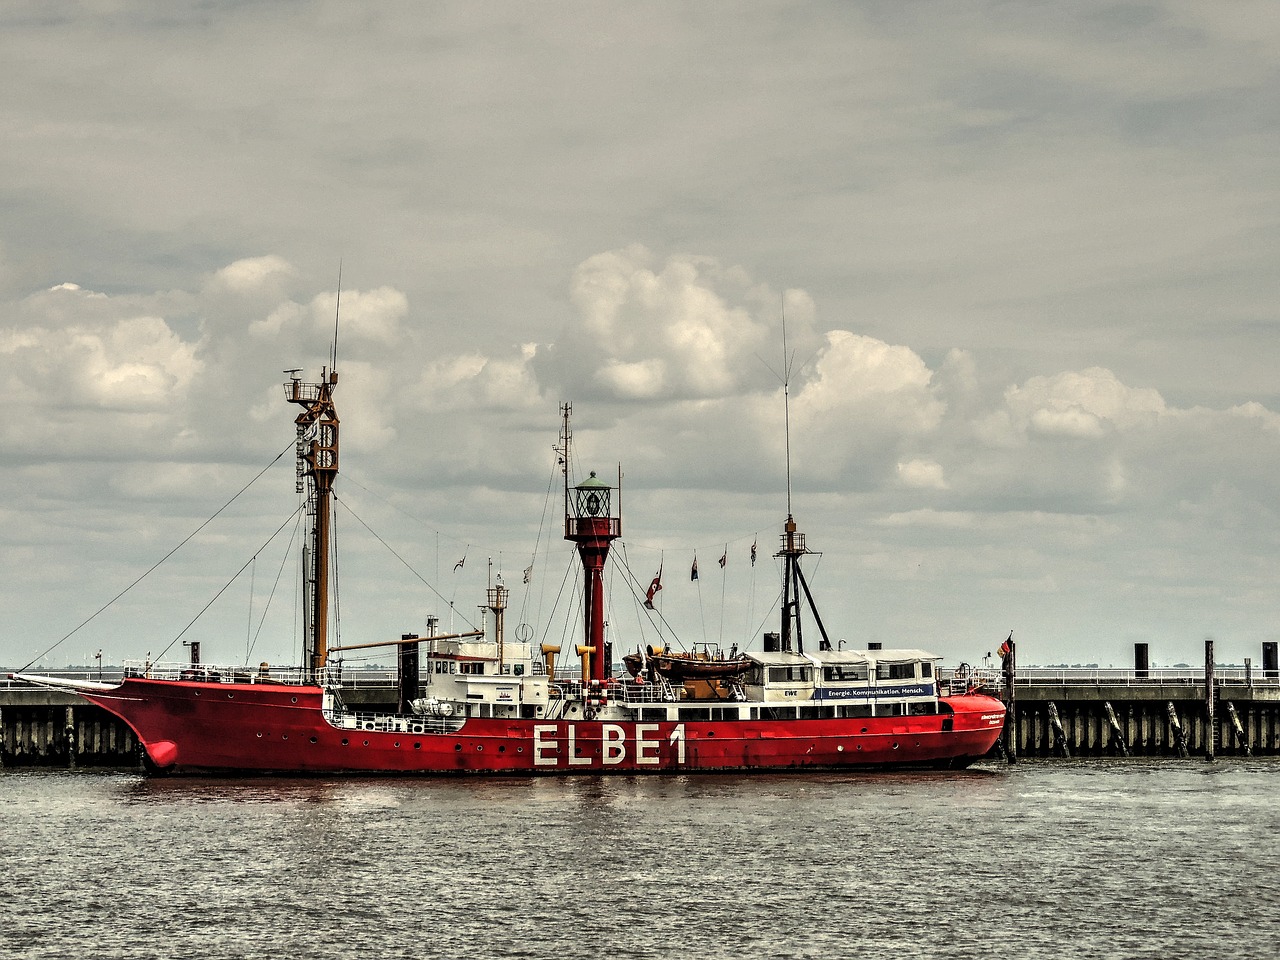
[
  {"x": 248, "y": 627},
  {"x": 542, "y": 523},
  {"x": 225, "y": 586},
  {"x": 279, "y": 574},
  {"x": 152, "y": 568},
  {"x": 333, "y": 567},
  {"x": 638, "y": 589},
  {"x": 406, "y": 563}
]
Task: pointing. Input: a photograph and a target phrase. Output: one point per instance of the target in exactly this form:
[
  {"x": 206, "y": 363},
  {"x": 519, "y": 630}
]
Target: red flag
[
  {"x": 1006, "y": 646},
  {"x": 653, "y": 588}
]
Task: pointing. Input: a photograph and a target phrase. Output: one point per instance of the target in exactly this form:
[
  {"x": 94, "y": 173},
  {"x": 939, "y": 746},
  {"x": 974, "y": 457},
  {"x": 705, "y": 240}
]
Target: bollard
[
  {"x": 1117, "y": 735},
  {"x": 1059, "y": 735}
]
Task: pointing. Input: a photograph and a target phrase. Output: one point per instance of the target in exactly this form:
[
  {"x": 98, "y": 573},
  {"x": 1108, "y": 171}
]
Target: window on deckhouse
[{"x": 895, "y": 671}]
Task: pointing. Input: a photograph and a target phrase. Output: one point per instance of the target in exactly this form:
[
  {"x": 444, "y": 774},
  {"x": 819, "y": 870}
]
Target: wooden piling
[
  {"x": 1239, "y": 730},
  {"x": 1117, "y": 735},
  {"x": 1059, "y": 735},
  {"x": 1010, "y": 666},
  {"x": 1210, "y": 734},
  {"x": 1179, "y": 736}
]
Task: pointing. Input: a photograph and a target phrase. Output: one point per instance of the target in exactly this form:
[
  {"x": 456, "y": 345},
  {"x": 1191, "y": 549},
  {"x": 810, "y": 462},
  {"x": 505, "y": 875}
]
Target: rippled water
[{"x": 1052, "y": 859}]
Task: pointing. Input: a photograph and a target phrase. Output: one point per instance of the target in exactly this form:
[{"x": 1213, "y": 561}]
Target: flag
[
  {"x": 653, "y": 588},
  {"x": 528, "y": 573},
  {"x": 753, "y": 553},
  {"x": 693, "y": 574},
  {"x": 459, "y": 564},
  {"x": 1006, "y": 647},
  {"x": 724, "y": 557}
]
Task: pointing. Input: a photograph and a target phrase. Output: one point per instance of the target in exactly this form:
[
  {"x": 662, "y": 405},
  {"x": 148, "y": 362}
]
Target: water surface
[{"x": 1051, "y": 859}]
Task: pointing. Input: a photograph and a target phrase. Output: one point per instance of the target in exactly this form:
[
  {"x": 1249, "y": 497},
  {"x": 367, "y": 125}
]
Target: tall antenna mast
[
  {"x": 337, "y": 312},
  {"x": 566, "y": 439},
  {"x": 786, "y": 399}
]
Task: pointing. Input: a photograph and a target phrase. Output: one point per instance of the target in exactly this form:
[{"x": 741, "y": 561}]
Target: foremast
[
  {"x": 317, "y": 450},
  {"x": 793, "y": 583},
  {"x": 589, "y": 523}
]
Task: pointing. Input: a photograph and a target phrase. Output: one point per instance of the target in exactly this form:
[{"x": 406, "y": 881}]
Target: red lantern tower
[{"x": 589, "y": 522}]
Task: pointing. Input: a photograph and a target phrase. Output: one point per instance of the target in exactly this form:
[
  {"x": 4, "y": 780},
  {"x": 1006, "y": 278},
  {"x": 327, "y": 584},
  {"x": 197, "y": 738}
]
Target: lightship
[{"x": 480, "y": 703}]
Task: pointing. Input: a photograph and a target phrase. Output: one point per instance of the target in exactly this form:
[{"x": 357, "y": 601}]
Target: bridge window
[
  {"x": 777, "y": 713},
  {"x": 789, "y": 675},
  {"x": 844, "y": 672},
  {"x": 895, "y": 671}
]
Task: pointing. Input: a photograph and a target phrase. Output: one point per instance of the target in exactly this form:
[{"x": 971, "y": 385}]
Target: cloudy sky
[{"x": 1026, "y": 253}]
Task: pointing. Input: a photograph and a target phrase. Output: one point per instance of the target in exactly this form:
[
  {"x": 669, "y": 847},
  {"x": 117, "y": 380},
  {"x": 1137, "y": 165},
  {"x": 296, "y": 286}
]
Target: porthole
[
  {"x": 313, "y": 739},
  {"x": 284, "y": 736},
  {"x": 397, "y": 743},
  {"x": 502, "y": 749},
  {"x": 840, "y": 748},
  {"x": 345, "y": 741},
  {"x": 895, "y": 746},
  {"x": 231, "y": 696},
  {"x": 479, "y": 747},
  {"x": 417, "y": 746},
  {"x": 196, "y": 692},
  {"x": 519, "y": 749},
  {"x": 859, "y": 747},
  {"x": 457, "y": 746},
  {"x": 259, "y": 736},
  {"x": 293, "y": 699},
  {"x": 366, "y": 743}
]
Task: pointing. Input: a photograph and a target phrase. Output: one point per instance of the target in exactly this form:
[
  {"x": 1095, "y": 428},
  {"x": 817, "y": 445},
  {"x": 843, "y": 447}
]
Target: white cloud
[
  {"x": 137, "y": 363},
  {"x": 687, "y": 328},
  {"x": 922, "y": 474},
  {"x": 1085, "y": 404},
  {"x": 882, "y": 387},
  {"x": 252, "y": 273}
]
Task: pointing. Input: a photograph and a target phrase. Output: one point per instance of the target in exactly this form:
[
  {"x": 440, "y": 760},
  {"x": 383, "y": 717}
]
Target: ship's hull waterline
[{"x": 193, "y": 727}]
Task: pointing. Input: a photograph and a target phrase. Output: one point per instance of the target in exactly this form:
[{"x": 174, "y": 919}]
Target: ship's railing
[
  {"x": 392, "y": 722},
  {"x": 966, "y": 679},
  {"x": 215, "y": 673},
  {"x": 630, "y": 692},
  {"x": 346, "y": 677}
]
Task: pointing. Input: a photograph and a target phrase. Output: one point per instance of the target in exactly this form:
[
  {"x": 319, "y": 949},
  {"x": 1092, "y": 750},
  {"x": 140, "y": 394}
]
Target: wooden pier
[{"x": 1220, "y": 711}]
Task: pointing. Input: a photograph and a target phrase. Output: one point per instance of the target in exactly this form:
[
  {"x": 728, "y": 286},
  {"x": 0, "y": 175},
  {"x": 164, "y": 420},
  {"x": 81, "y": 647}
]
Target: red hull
[{"x": 259, "y": 728}]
